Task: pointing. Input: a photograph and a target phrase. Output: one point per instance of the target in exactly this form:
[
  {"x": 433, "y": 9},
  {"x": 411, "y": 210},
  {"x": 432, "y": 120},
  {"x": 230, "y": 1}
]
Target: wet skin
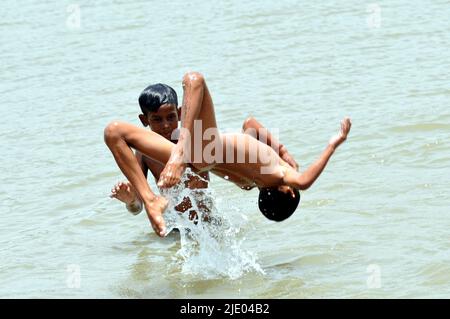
[
  {"x": 165, "y": 123},
  {"x": 197, "y": 105}
]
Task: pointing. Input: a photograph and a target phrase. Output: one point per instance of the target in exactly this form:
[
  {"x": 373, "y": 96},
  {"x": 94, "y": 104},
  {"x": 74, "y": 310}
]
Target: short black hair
[
  {"x": 276, "y": 205},
  {"x": 156, "y": 95}
]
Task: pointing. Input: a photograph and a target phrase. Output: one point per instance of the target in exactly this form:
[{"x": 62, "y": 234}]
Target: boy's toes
[{"x": 159, "y": 227}]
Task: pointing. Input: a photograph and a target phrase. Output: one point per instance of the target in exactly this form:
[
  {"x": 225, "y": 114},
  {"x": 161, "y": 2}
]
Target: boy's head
[
  {"x": 277, "y": 205},
  {"x": 159, "y": 105}
]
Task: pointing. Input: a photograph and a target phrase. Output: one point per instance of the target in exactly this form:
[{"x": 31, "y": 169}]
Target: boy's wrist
[{"x": 331, "y": 147}]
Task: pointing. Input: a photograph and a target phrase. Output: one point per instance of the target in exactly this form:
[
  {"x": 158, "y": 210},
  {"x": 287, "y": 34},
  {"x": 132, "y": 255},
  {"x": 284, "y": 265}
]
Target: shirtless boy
[
  {"x": 248, "y": 160},
  {"x": 160, "y": 112}
]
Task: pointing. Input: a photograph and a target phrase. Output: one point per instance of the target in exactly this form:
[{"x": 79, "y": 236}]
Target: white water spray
[{"x": 210, "y": 243}]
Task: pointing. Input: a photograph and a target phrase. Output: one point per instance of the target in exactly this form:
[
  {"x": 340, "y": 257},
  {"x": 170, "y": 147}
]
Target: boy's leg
[
  {"x": 304, "y": 180},
  {"x": 197, "y": 108},
  {"x": 119, "y": 137},
  {"x": 197, "y": 105},
  {"x": 255, "y": 129}
]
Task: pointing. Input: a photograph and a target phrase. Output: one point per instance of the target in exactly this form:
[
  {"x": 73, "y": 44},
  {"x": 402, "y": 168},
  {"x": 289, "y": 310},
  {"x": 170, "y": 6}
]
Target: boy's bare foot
[
  {"x": 155, "y": 208},
  {"x": 124, "y": 192},
  {"x": 174, "y": 169},
  {"x": 339, "y": 138}
]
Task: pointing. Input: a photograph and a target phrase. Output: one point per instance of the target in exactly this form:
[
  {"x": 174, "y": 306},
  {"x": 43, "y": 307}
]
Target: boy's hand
[
  {"x": 339, "y": 138},
  {"x": 124, "y": 192}
]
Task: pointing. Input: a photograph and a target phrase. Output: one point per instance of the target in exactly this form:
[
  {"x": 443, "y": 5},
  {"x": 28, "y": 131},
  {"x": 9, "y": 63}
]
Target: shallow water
[{"x": 376, "y": 224}]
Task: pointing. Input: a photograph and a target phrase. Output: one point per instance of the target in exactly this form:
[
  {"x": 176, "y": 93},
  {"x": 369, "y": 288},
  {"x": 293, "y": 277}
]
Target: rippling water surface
[{"x": 376, "y": 224}]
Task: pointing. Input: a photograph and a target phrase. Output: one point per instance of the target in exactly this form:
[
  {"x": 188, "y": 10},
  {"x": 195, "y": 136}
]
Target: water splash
[{"x": 211, "y": 246}]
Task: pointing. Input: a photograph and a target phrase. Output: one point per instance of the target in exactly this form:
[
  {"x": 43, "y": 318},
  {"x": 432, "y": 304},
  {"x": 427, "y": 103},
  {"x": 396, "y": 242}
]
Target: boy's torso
[{"x": 248, "y": 162}]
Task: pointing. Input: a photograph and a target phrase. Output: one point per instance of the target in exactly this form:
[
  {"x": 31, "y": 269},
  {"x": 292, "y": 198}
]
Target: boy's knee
[
  {"x": 247, "y": 123},
  {"x": 112, "y": 131},
  {"x": 195, "y": 79}
]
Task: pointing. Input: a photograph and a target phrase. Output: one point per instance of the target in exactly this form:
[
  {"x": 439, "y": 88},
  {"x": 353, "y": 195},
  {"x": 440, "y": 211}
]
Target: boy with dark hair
[
  {"x": 260, "y": 162},
  {"x": 160, "y": 112}
]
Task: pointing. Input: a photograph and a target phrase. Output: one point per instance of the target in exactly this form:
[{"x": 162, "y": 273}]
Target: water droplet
[{"x": 226, "y": 177}]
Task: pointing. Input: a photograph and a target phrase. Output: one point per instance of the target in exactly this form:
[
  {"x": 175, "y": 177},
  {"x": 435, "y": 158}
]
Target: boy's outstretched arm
[
  {"x": 254, "y": 128},
  {"x": 307, "y": 178}
]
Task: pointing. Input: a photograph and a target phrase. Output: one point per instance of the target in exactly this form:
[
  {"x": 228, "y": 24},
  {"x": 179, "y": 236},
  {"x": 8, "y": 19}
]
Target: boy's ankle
[
  {"x": 149, "y": 200},
  {"x": 178, "y": 154}
]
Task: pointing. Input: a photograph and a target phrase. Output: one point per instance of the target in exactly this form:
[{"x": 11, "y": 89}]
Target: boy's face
[{"x": 164, "y": 121}]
